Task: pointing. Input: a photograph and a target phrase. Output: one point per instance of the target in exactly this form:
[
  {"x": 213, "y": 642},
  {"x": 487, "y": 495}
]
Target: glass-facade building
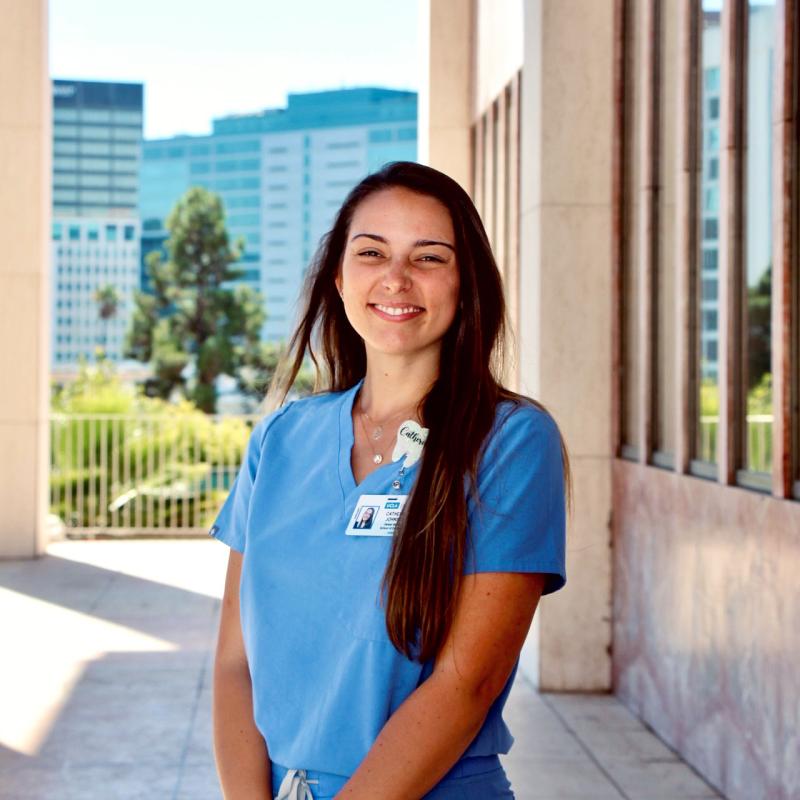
[
  {"x": 282, "y": 174},
  {"x": 97, "y": 139}
]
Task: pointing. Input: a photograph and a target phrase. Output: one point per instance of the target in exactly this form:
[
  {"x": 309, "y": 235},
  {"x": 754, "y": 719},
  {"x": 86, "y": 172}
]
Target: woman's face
[{"x": 398, "y": 273}]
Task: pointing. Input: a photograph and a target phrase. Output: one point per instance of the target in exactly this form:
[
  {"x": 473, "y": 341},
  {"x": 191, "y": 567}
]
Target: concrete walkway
[{"x": 105, "y": 689}]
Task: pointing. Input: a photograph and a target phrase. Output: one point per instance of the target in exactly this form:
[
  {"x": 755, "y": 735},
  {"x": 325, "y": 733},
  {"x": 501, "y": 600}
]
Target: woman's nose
[{"x": 396, "y": 277}]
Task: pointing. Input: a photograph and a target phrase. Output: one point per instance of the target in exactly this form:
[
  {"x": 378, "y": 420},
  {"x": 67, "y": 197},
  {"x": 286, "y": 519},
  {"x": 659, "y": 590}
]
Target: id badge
[{"x": 376, "y": 515}]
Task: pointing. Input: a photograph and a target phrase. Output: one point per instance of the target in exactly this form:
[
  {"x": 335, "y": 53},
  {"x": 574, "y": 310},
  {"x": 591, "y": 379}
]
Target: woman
[{"x": 375, "y": 663}]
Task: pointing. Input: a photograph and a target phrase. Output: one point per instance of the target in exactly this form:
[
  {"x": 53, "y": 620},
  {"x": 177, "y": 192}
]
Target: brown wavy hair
[{"x": 424, "y": 571}]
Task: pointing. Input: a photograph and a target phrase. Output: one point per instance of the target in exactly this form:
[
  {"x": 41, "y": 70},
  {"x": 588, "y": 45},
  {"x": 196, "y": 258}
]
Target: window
[
  {"x": 239, "y": 165},
  {"x": 246, "y": 146},
  {"x": 342, "y": 145},
  {"x": 226, "y": 184},
  {"x": 130, "y": 233},
  {"x": 710, "y": 320},
  {"x": 757, "y": 262},
  {"x": 56, "y": 231},
  {"x": 342, "y": 164},
  {"x": 710, "y": 289},
  {"x": 380, "y": 135},
  {"x": 243, "y": 220},
  {"x": 111, "y": 233},
  {"x": 74, "y": 233},
  {"x": 246, "y": 201},
  {"x": 743, "y": 166},
  {"x": 710, "y": 228},
  {"x": 92, "y": 233}
]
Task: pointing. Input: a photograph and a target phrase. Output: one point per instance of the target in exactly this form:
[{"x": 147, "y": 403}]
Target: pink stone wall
[{"x": 707, "y": 625}]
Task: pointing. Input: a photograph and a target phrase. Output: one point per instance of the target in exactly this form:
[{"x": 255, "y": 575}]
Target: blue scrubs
[{"x": 325, "y": 675}]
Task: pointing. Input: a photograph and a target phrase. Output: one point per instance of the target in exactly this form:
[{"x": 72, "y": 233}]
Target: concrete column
[
  {"x": 445, "y": 100},
  {"x": 25, "y": 167},
  {"x": 565, "y": 311}
]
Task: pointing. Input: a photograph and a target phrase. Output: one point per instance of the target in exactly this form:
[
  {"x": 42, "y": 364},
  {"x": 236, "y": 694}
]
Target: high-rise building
[
  {"x": 758, "y": 237},
  {"x": 282, "y": 174},
  {"x": 97, "y": 136}
]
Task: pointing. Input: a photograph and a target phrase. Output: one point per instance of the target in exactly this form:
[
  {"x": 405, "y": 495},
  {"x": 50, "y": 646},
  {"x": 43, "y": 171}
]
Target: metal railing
[
  {"x": 145, "y": 473},
  {"x": 759, "y": 441}
]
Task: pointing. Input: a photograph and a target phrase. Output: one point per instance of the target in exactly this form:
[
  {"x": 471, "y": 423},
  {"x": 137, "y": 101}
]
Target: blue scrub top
[{"x": 325, "y": 675}]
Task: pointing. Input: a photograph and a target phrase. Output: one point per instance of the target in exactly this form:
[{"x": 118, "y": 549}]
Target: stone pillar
[
  {"x": 445, "y": 99},
  {"x": 25, "y": 168},
  {"x": 565, "y": 311}
]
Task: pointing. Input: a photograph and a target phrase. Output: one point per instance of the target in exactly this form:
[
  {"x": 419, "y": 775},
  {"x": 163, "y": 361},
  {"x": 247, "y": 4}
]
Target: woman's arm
[
  {"x": 240, "y": 751},
  {"x": 436, "y": 723}
]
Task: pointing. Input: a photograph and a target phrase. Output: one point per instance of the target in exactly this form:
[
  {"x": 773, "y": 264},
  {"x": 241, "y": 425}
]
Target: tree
[
  {"x": 759, "y": 321},
  {"x": 108, "y": 299},
  {"x": 192, "y": 318}
]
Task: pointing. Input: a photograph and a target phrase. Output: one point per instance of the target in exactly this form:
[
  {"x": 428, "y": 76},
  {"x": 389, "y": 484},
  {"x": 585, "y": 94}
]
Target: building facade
[
  {"x": 97, "y": 136},
  {"x": 636, "y": 165},
  {"x": 282, "y": 174}
]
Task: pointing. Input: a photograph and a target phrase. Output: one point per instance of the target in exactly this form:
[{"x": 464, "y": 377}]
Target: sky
[{"x": 200, "y": 59}]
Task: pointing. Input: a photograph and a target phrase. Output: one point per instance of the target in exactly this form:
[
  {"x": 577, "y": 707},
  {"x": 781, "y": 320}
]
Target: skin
[{"x": 389, "y": 260}]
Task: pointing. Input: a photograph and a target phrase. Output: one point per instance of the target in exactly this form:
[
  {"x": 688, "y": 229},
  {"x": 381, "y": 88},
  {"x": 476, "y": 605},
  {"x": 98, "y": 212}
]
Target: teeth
[{"x": 396, "y": 312}]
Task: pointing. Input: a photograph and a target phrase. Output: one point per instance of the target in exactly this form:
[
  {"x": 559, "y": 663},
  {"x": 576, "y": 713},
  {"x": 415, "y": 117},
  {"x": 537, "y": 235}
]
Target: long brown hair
[{"x": 424, "y": 570}]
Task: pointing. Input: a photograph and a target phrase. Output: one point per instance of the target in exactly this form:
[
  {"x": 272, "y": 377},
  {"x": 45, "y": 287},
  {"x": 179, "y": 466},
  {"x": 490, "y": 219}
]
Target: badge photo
[{"x": 376, "y": 515}]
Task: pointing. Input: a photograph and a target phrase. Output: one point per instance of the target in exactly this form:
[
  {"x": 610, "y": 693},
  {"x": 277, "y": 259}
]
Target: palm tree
[{"x": 108, "y": 299}]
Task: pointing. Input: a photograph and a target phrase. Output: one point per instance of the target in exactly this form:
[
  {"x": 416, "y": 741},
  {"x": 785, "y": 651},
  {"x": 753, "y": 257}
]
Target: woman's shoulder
[
  {"x": 301, "y": 409},
  {"x": 520, "y": 413}
]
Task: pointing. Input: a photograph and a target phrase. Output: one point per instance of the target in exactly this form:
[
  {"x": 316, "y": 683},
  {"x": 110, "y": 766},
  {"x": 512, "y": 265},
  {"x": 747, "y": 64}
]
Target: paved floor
[{"x": 105, "y": 690}]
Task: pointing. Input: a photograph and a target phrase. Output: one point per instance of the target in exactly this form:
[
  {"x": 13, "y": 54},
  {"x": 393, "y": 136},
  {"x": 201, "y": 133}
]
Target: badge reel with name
[{"x": 377, "y": 514}]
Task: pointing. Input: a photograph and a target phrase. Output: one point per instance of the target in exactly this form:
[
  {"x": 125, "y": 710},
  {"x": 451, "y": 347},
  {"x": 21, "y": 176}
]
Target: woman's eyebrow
[
  {"x": 418, "y": 243},
  {"x": 429, "y": 242},
  {"x": 371, "y": 236}
]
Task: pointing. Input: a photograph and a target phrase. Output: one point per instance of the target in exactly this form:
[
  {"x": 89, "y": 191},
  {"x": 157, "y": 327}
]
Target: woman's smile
[{"x": 396, "y": 313}]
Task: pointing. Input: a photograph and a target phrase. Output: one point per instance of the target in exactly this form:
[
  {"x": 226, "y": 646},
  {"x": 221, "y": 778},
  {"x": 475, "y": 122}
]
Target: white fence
[
  {"x": 143, "y": 474},
  {"x": 759, "y": 441}
]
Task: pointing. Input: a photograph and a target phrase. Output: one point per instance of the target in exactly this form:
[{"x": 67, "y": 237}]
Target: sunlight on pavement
[{"x": 54, "y": 645}]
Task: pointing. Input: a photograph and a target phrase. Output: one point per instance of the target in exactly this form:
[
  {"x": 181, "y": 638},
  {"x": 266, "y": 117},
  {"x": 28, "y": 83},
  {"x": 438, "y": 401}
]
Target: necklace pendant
[
  {"x": 377, "y": 433},
  {"x": 377, "y": 458}
]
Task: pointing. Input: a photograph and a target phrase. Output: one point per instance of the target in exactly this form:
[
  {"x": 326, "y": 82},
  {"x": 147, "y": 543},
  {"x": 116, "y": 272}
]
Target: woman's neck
[{"x": 395, "y": 383}]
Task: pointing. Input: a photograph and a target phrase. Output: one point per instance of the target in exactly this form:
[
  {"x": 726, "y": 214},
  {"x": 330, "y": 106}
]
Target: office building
[
  {"x": 282, "y": 174},
  {"x": 97, "y": 135}
]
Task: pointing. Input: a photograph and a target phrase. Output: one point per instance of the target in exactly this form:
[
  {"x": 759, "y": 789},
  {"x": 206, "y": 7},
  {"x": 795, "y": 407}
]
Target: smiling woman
[
  {"x": 423, "y": 501},
  {"x": 400, "y": 266}
]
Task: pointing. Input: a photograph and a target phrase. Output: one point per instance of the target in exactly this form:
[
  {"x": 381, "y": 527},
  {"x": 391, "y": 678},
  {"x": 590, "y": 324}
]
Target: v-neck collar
[{"x": 346, "y": 442}]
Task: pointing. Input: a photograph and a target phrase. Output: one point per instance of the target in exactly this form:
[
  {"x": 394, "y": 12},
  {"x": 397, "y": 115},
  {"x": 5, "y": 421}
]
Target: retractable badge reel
[{"x": 411, "y": 437}]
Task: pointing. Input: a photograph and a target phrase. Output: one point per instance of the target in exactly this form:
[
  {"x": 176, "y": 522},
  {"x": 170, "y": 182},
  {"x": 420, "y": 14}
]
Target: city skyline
[{"x": 199, "y": 62}]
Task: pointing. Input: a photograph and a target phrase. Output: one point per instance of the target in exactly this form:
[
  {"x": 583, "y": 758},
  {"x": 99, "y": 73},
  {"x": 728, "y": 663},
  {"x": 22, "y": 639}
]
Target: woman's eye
[
  {"x": 371, "y": 253},
  {"x": 432, "y": 259}
]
